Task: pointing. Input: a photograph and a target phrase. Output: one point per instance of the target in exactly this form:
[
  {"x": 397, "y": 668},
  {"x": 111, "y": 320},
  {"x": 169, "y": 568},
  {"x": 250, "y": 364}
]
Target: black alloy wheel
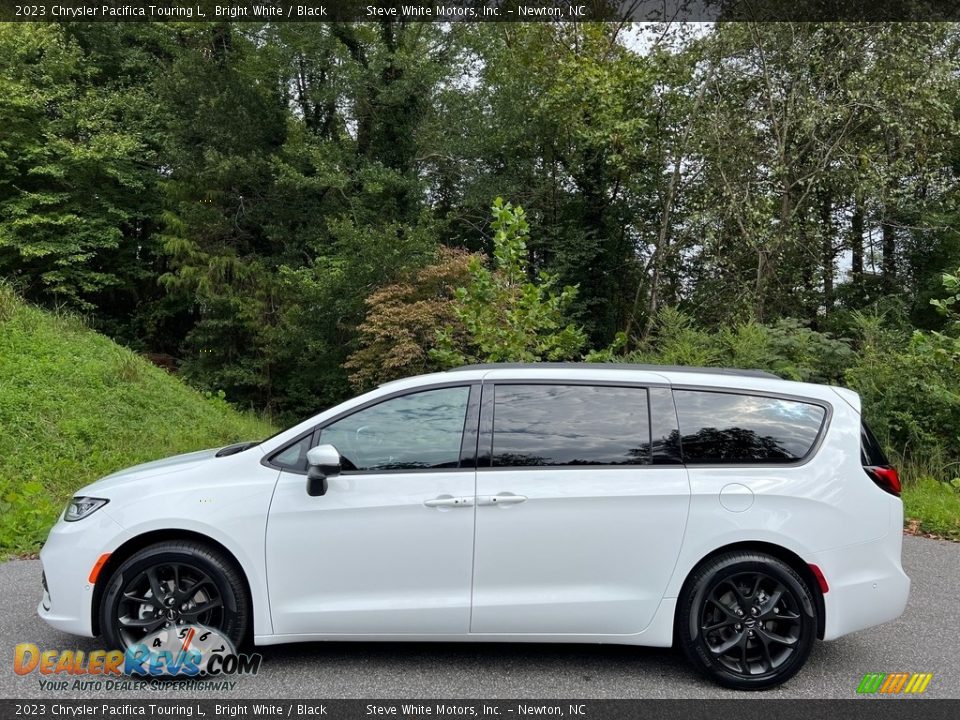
[
  {"x": 165, "y": 595},
  {"x": 747, "y": 620},
  {"x": 171, "y": 584}
]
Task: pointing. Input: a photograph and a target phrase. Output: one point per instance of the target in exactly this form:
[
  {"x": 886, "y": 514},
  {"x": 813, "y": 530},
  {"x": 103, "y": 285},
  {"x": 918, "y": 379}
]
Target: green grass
[
  {"x": 932, "y": 507},
  {"x": 931, "y": 492},
  {"x": 75, "y": 406}
]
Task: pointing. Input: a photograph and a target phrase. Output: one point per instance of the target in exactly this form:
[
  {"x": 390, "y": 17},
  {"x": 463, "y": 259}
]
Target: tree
[
  {"x": 77, "y": 167},
  {"x": 403, "y": 321},
  {"x": 569, "y": 145},
  {"x": 502, "y": 315}
]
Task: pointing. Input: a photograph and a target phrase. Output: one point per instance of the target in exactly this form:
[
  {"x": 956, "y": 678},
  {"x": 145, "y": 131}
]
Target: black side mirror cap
[{"x": 316, "y": 482}]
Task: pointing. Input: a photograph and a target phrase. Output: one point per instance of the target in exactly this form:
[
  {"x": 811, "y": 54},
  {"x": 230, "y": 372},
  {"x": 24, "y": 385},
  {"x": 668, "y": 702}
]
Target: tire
[
  {"x": 196, "y": 582},
  {"x": 767, "y": 644}
]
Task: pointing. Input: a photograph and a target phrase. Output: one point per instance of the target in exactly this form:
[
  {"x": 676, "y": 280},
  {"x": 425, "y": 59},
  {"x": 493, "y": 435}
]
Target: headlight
[{"x": 79, "y": 507}]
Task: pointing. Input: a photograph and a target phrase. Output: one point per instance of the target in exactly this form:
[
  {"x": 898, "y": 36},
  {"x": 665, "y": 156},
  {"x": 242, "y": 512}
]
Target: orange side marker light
[{"x": 97, "y": 567}]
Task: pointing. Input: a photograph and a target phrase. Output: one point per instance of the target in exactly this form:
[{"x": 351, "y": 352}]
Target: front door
[
  {"x": 578, "y": 526},
  {"x": 388, "y": 549}
]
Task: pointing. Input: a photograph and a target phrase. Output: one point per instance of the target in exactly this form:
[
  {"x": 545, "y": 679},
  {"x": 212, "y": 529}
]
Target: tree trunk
[
  {"x": 829, "y": 254},
  {"x": 856, "y": 243},
  {"x": 663, "y": 240},
  {"x": 889, "y": 247}
]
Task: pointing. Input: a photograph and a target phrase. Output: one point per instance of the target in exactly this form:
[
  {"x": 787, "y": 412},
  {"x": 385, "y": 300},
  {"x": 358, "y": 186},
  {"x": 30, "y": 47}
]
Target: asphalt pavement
[{"x": 924, "y": 639}]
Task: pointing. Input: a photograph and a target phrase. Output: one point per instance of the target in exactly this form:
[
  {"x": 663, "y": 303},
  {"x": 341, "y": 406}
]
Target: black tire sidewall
[
  {"x": 691, "y": 603},
  {"x": 223, "y": 574}
]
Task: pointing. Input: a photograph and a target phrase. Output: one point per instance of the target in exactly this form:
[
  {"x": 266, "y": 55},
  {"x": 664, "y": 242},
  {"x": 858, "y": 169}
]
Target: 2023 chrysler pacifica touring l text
[{"x": 735, "y": 514}]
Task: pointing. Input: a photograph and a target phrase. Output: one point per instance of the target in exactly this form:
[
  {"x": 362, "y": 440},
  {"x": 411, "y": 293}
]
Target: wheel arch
[
  {"x": 152, "y": 537},
  {"x": 794, "y": 561}
]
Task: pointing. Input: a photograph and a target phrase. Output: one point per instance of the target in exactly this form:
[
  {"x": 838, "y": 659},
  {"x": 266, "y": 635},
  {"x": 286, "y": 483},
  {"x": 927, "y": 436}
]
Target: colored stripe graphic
[
  {"x": 894, "y": 683},
  {"x": 871, "y": 682},
  {"x": 922, "y": 682}
]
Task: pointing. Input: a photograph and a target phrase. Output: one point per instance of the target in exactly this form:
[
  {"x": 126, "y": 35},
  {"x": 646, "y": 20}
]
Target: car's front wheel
[
  {"x": 746, "y": 620},
  {"x": 170, "y": 584}
]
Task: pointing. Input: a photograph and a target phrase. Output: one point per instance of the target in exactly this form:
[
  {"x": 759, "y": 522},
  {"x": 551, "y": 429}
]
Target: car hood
[{"x": 177, "y": 463}]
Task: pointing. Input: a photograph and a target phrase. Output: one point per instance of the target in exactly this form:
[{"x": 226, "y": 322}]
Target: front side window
[
  {"x": 412, "y": 432},
  {"x": 717, "y": 428},
  {"x": 557, "y": 425}
]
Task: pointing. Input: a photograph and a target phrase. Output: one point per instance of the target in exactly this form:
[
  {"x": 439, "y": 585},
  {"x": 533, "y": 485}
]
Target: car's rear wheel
[
  {"x": 170, "y": 584},
  {"x": 746, "y": 620}
]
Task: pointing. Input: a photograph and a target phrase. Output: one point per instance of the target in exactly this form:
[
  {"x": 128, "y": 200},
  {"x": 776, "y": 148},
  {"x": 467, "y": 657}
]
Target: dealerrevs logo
[
  {"x": 894, "y": 683},
  {"x": 184, "y": 651}
]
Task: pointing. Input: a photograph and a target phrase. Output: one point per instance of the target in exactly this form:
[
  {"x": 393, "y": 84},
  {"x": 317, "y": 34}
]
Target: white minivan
[{"x": 729, "y": 512}]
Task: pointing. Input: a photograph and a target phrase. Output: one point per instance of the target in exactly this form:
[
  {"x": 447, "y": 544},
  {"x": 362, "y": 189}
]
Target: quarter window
[
  {"x": 294, "y": 457},
  {"x": 551, "y": 425},
  {"x": 412, "y": 432},
  {"x": 871, "y": 451},
  {"x": 718, "y": 427}
]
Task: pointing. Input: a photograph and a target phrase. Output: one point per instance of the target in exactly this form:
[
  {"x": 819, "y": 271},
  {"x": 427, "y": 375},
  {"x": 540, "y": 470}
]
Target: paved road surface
[{"x": 924, "y": 639}]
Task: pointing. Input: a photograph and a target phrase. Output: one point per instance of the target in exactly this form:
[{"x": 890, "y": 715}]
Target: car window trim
[
  {"x": 470, "y": 425},
  {"x": 484, "y": 434}
]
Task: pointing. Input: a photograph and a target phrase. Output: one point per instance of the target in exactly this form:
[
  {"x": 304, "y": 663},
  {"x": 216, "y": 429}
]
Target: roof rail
[{"x": 619, "y": 366}]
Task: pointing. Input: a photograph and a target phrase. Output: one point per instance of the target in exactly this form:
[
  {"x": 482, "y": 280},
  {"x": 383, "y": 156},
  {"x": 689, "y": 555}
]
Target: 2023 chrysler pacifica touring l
[{"x": 735, "y": 514}]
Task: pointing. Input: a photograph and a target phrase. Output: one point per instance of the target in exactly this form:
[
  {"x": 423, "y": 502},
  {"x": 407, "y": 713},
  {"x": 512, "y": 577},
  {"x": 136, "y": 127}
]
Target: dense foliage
[
  {"x": 404, "y": 321},
  {"x": 288, "y": 209}
]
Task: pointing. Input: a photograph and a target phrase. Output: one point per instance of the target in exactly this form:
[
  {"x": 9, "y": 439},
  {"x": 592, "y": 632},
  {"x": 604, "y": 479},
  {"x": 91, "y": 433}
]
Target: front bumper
[{"x": 69, "y": 554}]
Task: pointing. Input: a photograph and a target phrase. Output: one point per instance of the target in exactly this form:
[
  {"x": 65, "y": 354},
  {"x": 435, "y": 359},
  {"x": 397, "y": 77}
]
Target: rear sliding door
[{"x": 581, "y": 508}]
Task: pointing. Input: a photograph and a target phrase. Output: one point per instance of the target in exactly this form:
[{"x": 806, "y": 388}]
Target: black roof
[{"x": 619, "y": 366}]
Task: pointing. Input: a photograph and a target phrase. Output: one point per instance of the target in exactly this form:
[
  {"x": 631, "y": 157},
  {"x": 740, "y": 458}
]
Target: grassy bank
[
  {"x": 75, "y": 406},
  {"x": 931, "y": 493},
  {"x": 931, "y": 507}
]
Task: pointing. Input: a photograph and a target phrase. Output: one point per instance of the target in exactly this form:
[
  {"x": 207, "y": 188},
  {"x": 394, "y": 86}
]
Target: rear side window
[
  {"x": 561, "y": 425},
  {"x": 718, "y": 428},
  {"x": 871, "y": 452}
]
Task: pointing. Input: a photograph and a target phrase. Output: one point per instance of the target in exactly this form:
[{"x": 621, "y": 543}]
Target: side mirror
[{"x": 323, "y": 461}]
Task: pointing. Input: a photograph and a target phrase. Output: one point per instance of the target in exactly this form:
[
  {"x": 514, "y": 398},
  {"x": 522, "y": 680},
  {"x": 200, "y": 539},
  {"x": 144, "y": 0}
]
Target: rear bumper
[{"x": 867, "y": 584}]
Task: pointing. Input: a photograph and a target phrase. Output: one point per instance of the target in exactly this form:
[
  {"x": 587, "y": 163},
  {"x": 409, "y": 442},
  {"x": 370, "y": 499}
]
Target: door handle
[
  {"x": 505, "y": 498},
  {"x": 448, "y": 501}
]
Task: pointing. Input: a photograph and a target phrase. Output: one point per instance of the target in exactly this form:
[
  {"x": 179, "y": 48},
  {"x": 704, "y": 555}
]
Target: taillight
[{"x": 885, "y": 477}]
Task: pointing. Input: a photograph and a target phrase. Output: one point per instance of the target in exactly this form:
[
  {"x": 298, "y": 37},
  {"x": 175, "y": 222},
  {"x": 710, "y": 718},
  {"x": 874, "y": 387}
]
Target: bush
[
  {"x": 403, "y": 321},
  {"x": 460, "y": 310},
  {"x": 786, "y": 348},
  {"x": 909, "y": 388}
]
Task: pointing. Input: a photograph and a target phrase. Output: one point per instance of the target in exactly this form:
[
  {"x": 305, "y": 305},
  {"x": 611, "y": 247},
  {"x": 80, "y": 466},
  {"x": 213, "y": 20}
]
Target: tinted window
[
  {"x": 871, "y": 451},
  {"x": 293, "y": 457},
  {"x": 665, "y": 434},
  {"x": 570, "y": 425},
  {"x": 726, "y": 428},
  {"x": 411, "y": 432}
]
